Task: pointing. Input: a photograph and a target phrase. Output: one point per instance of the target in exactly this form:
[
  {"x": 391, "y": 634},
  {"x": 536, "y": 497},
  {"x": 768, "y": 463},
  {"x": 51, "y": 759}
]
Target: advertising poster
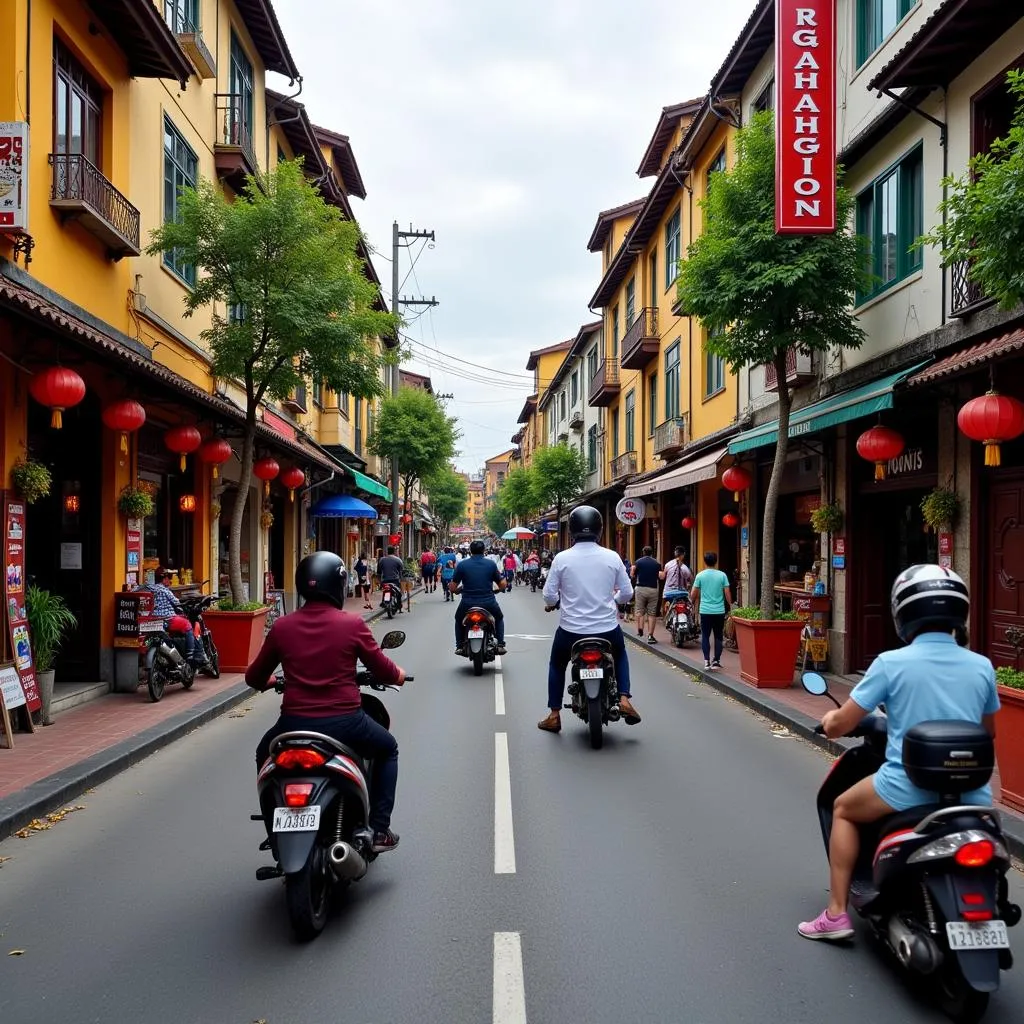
[
  {"x": 13, "y": 175},
  {"x": 14, "y": 599},
  {"x": 133, "y": 544}
]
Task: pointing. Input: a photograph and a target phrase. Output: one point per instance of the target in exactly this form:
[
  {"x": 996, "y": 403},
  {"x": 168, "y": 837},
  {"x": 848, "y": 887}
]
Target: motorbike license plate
[
  {"x": 475, "y": 634},
  {"x": 977, "y": 935},
  {"x": 591, "y": 673},
  {"x": 296, "y": 819}
]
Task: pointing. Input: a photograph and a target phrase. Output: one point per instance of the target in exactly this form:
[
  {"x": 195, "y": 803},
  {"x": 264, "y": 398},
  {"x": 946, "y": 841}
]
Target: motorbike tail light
[
  {"x": 977, "y": 915},
  {"x": 300, "y": 757},
  {"x": 970, "y": 848},
  {"x": 680, "y": 607},
  {"x": 475, "y": 617},
  {"x": 973, "y": 899},
  {"x": 976, "y": 854},
  {"x": 591, "y": 657},
  {"x": 297, "y": 794}
]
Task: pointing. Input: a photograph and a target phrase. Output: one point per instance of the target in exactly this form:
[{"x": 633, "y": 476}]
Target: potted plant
[
  {"x": 237, "y": 629},
  {"x": 31, "y": 479},
  {"x": 768, "y": 648},
  {"x": 1010, "y": 736},
  {"x": 49, "y": 618},
  {"x": 134, "y": 502},
  {"x": 828, "y": 518},
  {"x": 940, "y": 508}
]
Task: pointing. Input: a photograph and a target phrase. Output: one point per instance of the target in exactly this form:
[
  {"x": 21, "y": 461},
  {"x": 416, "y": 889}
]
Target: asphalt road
[{"x": 658, "y": 880}]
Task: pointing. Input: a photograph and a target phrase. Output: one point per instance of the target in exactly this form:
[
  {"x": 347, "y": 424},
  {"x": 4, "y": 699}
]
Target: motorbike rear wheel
[
  {"x": 478, "y": 662},
  {"x": 213, "y": 656},
  {"x": 390, "y": 609},
  {"x": 157, "y": 679},
  {"x": 594, "y": 722},
  {"x": 958, "y": 1000},
  {"x": 308, "y": 894}
]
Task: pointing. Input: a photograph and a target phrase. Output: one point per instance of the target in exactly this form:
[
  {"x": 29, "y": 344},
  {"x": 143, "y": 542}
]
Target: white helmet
[{"x": 928, "y": 597}]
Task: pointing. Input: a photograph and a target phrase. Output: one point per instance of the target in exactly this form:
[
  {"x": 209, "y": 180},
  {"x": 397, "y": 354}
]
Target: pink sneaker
[{"x": 824, "y": 926}]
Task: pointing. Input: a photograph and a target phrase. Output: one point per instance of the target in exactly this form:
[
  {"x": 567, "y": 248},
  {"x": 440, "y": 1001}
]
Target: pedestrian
[
  {"x": 428, "y": 568},
  {"x": 375, "y": 569},
  {"x": 362, "y": 570},
  {"x": 447, "y": 561},
  {"x": 712, "y": 599},
  {"x": 646, "y": 572}
]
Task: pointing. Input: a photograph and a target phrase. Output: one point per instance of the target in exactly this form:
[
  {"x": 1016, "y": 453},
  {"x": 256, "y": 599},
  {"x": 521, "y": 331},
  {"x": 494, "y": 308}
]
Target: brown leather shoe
[
  {"x": 629, "y": 713},
  {"x": 553, "y": 723}
]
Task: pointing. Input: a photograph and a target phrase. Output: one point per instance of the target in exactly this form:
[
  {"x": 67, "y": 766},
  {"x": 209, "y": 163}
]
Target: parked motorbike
[
  {"x": 194, "y": 608},
  {"x": 165, "y": 660},
  {"x": 680, "y": 622},
  {"x": 931, "y": 881},
  {"x": 391, "y": 598},
  {"x": 315, "y": 804},
  {"x": 592, "y": 689},
  {"x": 481, "y": 645}
]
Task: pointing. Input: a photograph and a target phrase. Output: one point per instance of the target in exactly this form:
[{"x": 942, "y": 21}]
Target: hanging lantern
[
  {"x": 215, "y": 451},
  {"x": 187, "y": 503},
  {"x": 72, "y": 504},
  {"x": 59, "y": 388},
  {"x": 730, "y": 520},
  {"x": 394, "y": 539},
  {"x": 879, "y": 445},
  {"x": 127, "y": 416},
  {"x": 736, "y": 479},
  {"x": 689, "y": 523},
  {"x": 183, "y": 440},
  {"x": 991, "y": 419},
  {"x": 407, "y": 518},
  {"x": 266, "y": 469},
  {"x": 293, "y": 478}
]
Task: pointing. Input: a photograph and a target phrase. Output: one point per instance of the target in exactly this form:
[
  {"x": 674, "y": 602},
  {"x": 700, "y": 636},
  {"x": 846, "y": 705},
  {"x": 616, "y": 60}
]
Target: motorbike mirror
[
  {"x": 814, "y": 682},
  {"x": 393, "y": 639}
]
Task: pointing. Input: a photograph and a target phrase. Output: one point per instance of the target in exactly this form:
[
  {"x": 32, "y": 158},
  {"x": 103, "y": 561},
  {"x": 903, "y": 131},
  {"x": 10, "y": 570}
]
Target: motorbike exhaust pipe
[
  {"x": 347, "y": 863},
  {"x": 916, "y": 951},
  {"x": 614, "y": 713}
]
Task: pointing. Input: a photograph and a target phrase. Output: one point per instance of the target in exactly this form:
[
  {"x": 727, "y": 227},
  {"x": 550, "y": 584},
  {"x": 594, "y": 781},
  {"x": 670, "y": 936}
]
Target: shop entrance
[{"x": 1002, "y": 574}]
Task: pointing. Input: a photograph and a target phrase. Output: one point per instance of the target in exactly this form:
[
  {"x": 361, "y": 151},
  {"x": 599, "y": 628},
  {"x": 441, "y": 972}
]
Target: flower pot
[
  {"x": 44, "y": 680},
  {"x": 1010, "y": 746},
  {"x": 238, "y": 636},
  {"x": 768, "y": 650}
]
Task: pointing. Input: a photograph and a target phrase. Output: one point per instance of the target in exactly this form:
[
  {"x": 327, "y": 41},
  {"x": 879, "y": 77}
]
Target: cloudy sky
[{"x": 505, "y": 128}]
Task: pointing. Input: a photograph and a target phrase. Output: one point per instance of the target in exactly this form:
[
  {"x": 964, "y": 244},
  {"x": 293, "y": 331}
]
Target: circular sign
[{"x": 630, "y": 511}]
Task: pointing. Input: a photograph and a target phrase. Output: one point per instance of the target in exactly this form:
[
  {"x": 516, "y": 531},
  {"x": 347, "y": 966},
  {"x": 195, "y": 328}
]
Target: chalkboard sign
[{"x": 129, "y": 611}]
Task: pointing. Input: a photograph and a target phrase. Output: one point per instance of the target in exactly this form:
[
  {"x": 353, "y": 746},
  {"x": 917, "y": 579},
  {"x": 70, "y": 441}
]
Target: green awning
[
  {"x": 841, "y": 408},
  {"x": 368, "y": 484}
]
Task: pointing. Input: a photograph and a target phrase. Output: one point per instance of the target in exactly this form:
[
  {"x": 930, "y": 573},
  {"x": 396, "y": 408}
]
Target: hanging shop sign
[
  {"x": 14, "y": 599},
  {"x": 13, "y": 176},
  {"x": 630, "y": 511},
  {"x": 805, "y": 128}
]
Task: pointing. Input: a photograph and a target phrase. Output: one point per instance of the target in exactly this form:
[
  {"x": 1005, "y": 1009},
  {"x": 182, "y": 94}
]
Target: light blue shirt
[
  {"x": 712, "y": 584},
  {"x": 933, "y": 679}
]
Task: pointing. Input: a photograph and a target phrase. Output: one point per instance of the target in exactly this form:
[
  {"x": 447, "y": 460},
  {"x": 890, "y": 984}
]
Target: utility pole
[{"x": 401, "y": 240}]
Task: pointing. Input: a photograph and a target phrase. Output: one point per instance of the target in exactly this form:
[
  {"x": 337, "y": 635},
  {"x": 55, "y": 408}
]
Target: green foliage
[
  {"x": 827, "y": 518},
  {"x": 134, "y": 503},
  {"x": 940, "y": 507},
  {"x": 496, "y": 519},
  {"x": 49, "y": 618},
  {"x": 1010, "y": 677},
  {"x": 559, "y": 474},
  {"x": 447, "y": 492},
  {"x": 517, "y": 495},
  {"x": 31, "y": 479},
  {"x": 983, "y": 213},
  {"x": 753, "y": 612},
  {"x": 225, "y": 604}
]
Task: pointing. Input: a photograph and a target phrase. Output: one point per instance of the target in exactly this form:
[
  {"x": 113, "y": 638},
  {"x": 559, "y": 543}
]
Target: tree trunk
[
  {"x": 238, "y": 513},
  {"x": 771, "y": 498}
]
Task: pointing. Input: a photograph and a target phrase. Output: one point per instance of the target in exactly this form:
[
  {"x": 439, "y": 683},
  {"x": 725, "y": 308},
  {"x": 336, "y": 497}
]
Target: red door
[{"x": 1003, "y": 622}]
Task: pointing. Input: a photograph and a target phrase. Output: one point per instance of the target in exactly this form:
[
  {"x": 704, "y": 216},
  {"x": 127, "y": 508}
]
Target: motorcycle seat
[
  {"x": 590, "y": 642},
  {"x": 326, "y": 744}
]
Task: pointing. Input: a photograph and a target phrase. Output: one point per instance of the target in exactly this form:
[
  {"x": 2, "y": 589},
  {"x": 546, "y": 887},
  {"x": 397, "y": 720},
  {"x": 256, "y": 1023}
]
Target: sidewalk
[
  {"x": 92, "y": 742},
  {"x": 794, "y": 708}
]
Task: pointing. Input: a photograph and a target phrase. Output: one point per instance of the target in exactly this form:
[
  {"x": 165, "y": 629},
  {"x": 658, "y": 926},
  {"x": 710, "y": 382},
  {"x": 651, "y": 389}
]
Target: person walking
[
  {"x": 362, "y": 570},
  {"x": 646, "y": 571},
  {"x": 712, "y": 599}
]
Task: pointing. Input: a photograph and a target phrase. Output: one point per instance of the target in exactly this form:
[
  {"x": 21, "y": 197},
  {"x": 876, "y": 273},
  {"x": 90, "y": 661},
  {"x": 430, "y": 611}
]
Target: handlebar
[{"x": 819, "y": 730}]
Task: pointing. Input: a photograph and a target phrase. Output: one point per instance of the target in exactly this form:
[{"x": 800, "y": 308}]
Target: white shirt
[
  {"x": 677, "y": 576},
  {"x": 589, "y": 580}
]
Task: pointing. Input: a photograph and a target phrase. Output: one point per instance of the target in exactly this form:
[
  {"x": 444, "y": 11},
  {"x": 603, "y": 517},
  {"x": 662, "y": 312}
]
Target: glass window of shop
[
  {"x": 168, "y": 534},
  {"x": 797, "y": 546}
]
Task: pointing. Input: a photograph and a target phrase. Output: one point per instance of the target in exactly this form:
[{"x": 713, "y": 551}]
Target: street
[{"x": 658, "y": 880}]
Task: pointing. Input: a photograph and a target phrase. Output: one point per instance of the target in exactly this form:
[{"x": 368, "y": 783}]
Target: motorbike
[
  {"x": 194, "y": 608},
  {"x": 165, "y": 660},
  {"x": 542, "y": 577},
  {"x": 481, "y": 645},
  {"x": 680, "y": 623},
  {"x": 594, "y": 695},
  {"x": 315, "y": 804},
  {"x": 931, "y": 881},
  {"x": 533, "y": 578},
  {"x": 391, "y": 598}
]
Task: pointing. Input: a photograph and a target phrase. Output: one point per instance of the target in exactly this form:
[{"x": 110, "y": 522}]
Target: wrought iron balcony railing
[
  {"x": 79, "y": 190},
  {"x": 624, "y": 465},
  {"x": 604, "y": 385},
  {"x": 799, "y": 370},
  {"x": 234, "y": 133},
  {"x": 190, "y": 39},
  {"x": 967, "y": 296},
  {"x": 670, "y": 436},
  {"x": 640, "y": 343}
]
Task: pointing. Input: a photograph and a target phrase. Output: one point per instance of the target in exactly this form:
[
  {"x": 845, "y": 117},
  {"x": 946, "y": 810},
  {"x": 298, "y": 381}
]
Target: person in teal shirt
[{"x": 712, "y": 599}]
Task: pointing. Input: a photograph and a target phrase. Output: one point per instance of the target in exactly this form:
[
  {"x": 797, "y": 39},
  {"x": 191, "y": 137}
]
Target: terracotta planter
[
  {"x": 238, "y": 636},
  {"x": 768, "y": 651},
  {"x": 1010, "y": 746}
]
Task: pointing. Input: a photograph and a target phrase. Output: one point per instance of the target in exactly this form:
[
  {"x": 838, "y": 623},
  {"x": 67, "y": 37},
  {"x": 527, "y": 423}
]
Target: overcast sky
[{"x": 505, "y": 128}]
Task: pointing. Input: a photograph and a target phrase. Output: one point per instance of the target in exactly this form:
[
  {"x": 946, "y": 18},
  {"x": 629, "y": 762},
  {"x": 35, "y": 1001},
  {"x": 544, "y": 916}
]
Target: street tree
[
  {"x": 759, "y": 294},
  {"x": 281, "y": 271},
  {"x": 559, "y": 476},
  {"x": 496, "y": 519},
  {"x": 517, "y": 495},
  {"x": 448, "y": 493}
]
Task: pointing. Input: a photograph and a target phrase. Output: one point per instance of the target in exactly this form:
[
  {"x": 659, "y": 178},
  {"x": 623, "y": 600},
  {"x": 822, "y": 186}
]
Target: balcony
[
  {"x": 296, "y": 403},
  {"x": 967, "y": 296},
  {"x": 79, "y": 191},
  {"x": 604, "y": 385},
  {"x": 517, "y": 437},
  {"x": 799, "y": 370},
  {"x": 640, "y": 344},
  {"x": 233, "y": 151},
  {"x": 670, "y": 437},
  {"x": 624, "y": 465},
  {"x": 190, "y": 39},
  {"x": 576, "y": 419}
]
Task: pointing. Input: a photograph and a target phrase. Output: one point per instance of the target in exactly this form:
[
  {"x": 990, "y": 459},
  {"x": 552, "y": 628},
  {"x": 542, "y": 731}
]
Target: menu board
[{"x": 14, "y": 599}]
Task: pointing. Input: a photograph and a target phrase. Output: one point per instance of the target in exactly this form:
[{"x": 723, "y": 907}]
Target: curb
[{"x": 797, "y": 722}]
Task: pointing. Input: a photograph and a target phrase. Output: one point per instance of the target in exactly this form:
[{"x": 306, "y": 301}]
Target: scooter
[
  {"x": 391, "y": 599},
  {"x": 315, "y": 803},
  {"x": 481, "y": 645},
  {"x": 165, "y": 660},
  {"x": 593, "y": 691},
  {"x": 680, "y": 622},
  {"x": 931, "y": 881}
]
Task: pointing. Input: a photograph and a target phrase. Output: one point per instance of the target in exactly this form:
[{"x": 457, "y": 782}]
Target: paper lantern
[
  {"x": 58, "y": 388},
  {"x": 689, "y": 523},
  {"x": 183, "y": 440},
  {"x": 72, "y": 504},
  {"x": 127, "y": 416},
  {"x": 736, "y": 479},
  {"x": 187, "y": 503},
  {"x": 407, "y": 518},
  {"x": 879, "y": 445},
  {"x": 730, "y": 520},
  {"x": 292, "y": 478},
  {"x": 991, "y": 419},
  {"x": 216, "y": 452},
  {"x": 394, "y": 539},
  {"x": 266, "y": 470}
]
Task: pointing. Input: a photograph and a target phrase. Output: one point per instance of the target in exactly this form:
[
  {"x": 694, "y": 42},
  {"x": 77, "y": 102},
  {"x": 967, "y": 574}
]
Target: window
[
  {"x": 716, "y": 165},
  {"x": 714, "y": 373},
  {"x": 766, "y": 99},
  {"x": 592, "y": 449},
  {"x": 180, "y": 169},
  {"x": 876, "y": 21},
  {"x": 574, "y": 388},
  {"x": 358, "y": 417},
  {"x": 592, "y": 364},
  {"x": 608, "y": 249},
  {"x": 631, "y": 422},
  {"x": 182, "y": 15},
  {"x": 652, "y": 276},
  {"x": 343, "y": 403},
  {"x": 318, "y": 394},
  {"x": 561, "y": 407},
  {"x": 615, "y": 332},
  {"x": 236, "y": 313},
  {"x": 992, "y": 113},
  {"x": 615, "y": 433},
  {"x": 890, "y": 214},
  {"x": 78, "y": 106},
  {"x": 282, "y": 156},
  {"x": 240, "y": 82},
  {"x": 672, "y": 381},
  {"x": 652, "y": 403},
  {"x": 672, "y": 250},
  {"x": 371, "y": 418},
  {"x": 630, "y": 304}
]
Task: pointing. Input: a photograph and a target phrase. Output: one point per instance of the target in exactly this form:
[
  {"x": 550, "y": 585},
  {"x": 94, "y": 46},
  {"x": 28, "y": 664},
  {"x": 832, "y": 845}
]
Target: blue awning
[
  {"x": 847, "y": 405},
  {"x": 342, "y": 506}
]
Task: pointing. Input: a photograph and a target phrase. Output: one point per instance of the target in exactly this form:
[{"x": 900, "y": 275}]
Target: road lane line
[
  {"x": 504, "y": 841},
  {"x": 499, "y": 689},
  {"x": 509, "y": 991}
]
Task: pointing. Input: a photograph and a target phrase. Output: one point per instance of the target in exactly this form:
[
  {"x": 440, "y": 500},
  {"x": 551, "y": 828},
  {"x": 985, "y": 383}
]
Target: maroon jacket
[{"x": 317, "y": 646}]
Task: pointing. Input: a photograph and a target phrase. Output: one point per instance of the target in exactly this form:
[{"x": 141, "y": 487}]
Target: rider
[
  {"x": 166, "y": 606},
  {"x": 588, "y": 580},
  {"x": 931, "y": 679},
  {"x": 390, "y": 569},
  {"x": 317, "y": 646},
  {"x": 473, "y": 577},
  {"x": 447, "y": 562},
  {"x": 677, "y": 577}
]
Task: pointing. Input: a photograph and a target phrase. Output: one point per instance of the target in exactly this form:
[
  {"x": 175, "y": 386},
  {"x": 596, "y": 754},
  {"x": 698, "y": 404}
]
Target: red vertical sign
[
  {"x": 805, "y": 117},
  {"x": 14, "y": 596}
]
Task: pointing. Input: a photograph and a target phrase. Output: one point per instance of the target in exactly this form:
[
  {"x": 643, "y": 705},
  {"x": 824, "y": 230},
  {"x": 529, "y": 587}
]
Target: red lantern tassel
[
  {"x": 56, "y": 420},
  {"x": 124, "y": 443},
  {"x": 183, "y": 462},
  {"x": 266, "y": 487},
  {"x": 291, "y": 494},
  {"x": 215, "y": 473},
  {"x": 993, "y": 454},
  {"x": 879, "y": 470}
]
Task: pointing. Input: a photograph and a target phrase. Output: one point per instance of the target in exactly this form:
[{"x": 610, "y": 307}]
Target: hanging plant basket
[
  {"x": 828, "y": 518},
  {"x": 940, "y": 508},
  {"x": 135, "y": 503},
  {"x": 266, "y": 519},
  {"x": 31, "y": 479}
]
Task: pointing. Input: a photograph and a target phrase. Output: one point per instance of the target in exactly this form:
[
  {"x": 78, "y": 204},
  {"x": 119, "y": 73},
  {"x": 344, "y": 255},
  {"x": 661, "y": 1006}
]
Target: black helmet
[
  {"x": 585, "y": 523},
  {"x": 928, "y": 597},
  {"x": 321, "y": 576}
]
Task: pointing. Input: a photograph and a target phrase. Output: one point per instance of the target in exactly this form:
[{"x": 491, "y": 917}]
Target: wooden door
[{"x": 1003, "y": 572}]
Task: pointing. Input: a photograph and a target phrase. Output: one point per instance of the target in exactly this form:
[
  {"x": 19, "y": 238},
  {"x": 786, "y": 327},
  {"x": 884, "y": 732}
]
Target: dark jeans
[
  {"x": 711, "y": 624},
  {"x": 488, "y": 604},
  {"x": 367, "y": 738},
  {"x": 194, "y": 652},
  {"x": 561, "y": 651}
]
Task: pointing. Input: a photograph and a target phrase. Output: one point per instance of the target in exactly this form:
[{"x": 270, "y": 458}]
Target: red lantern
[
  {"x": 216, "y": 451},
  {"x": 991, "y": 419},
  {"x": 126, "y": 416},
  {"x": 183, "y": 440},
  {"x": 879, "y": 445},
  {"x": 730, "y": 520},
  {"x": 59, "y": 388},
  {"x": 407, "y": 518},
  {"x": 394, "y": 539},
  {"x": 689, "y": 523},
  {"x": 292, "y": 478},
  {"x": 187, "y": 503},
  {"x": 736, "y": 479},
  {"x": 266, "y": 470}
]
